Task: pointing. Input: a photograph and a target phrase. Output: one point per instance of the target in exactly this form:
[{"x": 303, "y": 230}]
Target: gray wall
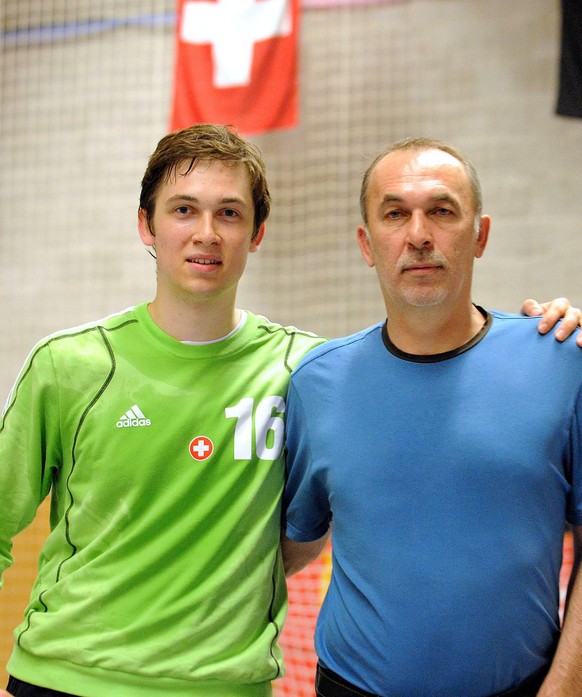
[{"x": 80, "y": 115}]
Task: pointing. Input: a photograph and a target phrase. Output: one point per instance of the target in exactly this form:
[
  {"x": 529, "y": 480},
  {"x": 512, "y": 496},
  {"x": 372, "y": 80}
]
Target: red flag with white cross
[{"x": 236, "y": 64}]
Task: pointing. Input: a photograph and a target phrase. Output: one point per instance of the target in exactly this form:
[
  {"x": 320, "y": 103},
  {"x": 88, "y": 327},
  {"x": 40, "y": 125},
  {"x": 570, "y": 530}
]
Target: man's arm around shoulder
[
  {"x": 297, "y": 555},
  {"x": 565, "y": 676}
]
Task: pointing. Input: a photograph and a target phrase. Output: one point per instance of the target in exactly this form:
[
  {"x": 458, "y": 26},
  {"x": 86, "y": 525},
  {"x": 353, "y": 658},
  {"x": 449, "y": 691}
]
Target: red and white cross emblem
[
  {"x": 233, "y": 27},
  {"x": 201, "y": 448}
]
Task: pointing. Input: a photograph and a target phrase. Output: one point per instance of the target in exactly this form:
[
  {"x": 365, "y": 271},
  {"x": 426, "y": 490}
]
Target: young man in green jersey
[{"x": 158, "y": 433}]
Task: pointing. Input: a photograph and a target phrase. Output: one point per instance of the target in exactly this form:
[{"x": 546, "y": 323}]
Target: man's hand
[
  {"x": 560, "y": 308},
  {"x": 3, "y": 693}
]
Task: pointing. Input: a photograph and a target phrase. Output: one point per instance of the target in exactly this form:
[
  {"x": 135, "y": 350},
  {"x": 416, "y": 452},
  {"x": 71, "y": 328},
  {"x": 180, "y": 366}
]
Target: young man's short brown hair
[{"x": 204, "y": 142}]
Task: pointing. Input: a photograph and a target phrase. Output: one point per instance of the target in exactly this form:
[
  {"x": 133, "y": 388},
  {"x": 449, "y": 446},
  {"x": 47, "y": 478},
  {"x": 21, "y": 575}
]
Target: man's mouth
[
  {"x": 204, "y": 262},
  {"x": 422, "y": 267}
]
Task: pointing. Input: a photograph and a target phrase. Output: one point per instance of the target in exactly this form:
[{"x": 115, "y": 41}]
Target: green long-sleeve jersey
[{"x": 162, "y": 572}]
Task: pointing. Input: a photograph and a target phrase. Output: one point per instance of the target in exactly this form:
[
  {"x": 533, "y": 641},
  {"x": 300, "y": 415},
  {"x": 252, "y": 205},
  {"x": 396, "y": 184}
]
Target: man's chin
[{"x": 426, "y": 298}]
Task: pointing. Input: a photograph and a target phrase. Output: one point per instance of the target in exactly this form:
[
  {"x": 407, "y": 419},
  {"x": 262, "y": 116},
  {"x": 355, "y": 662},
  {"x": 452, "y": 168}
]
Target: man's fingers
[
  {"x": 531, "y": 308},
  {"x": 555, "y": 310}
]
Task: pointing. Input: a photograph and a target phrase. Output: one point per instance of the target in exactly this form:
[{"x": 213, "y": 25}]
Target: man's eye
[
  {"x": 230, "y": 213},
  {"x": 182, "y": 210},
  {"x": 443, "y": 211},
  {"x": 393, "y": 214}
]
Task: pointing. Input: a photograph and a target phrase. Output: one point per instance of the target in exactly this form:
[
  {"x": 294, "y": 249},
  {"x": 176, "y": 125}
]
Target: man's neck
[
  {"x": 427, "y": 332},
  {"x": 195, "y": 321}
]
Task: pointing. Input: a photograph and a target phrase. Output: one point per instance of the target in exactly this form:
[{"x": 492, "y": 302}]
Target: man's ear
[
  {"x": 143, "y": 226},
  {"x": 257, "y": 239},
  {"x": 364, "y": 242},
  {"x": 483, "y": 236}
]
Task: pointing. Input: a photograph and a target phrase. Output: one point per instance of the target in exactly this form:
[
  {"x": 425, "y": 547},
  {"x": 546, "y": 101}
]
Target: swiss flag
[{"x": 236, "y": 64}]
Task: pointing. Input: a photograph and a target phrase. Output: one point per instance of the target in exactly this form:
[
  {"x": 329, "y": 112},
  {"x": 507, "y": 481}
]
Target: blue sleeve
[
  {"x": 305, "y": 501},
  {"x": 574, "y": 515}
]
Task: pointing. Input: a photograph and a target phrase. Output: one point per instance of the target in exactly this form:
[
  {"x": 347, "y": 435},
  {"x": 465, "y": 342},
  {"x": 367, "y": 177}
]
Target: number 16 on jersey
[{"x": 265, "y": 420}]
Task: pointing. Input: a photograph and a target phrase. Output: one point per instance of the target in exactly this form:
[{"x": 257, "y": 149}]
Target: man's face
[
  {"x": 421, "y": 229},
  {"x": 201, "y": 229}
]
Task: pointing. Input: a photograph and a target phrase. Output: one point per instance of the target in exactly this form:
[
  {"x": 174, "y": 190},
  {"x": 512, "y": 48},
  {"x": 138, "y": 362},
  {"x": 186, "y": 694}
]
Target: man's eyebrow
[
  {"x": 447, "y": 198},
  {"x": 443, "y": 197},
  {"x": 391, "y": 198},
  {"x": 195, "y": 199}
]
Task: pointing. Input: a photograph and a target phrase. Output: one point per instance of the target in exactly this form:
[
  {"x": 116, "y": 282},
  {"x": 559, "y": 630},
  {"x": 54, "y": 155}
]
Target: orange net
[{"x": 306, "y": 592}]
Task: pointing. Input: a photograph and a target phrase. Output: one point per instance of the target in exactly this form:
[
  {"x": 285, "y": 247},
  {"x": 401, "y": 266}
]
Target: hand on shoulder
[{"x": 560, "y": 308}]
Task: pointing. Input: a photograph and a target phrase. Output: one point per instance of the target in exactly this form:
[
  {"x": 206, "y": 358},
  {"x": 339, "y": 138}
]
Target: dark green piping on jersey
[
  {"x": 73, "y": 457},
  {"x": 291, "y": 335},
  {"x": 271, "y": 616}
]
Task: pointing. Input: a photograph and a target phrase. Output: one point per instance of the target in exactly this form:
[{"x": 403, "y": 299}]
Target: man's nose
[
  {"x": 204, "y": 229},
  {"x": 419, "y": 230}
]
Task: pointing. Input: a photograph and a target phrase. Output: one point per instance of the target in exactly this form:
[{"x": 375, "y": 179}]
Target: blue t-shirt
[{"x": 448, "y": 479}]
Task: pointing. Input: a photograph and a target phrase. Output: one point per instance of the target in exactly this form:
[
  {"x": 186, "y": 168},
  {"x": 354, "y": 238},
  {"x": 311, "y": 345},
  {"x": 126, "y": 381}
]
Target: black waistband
[
  {"x": 19, "y": 688},
  {"x": 331, "y": 684},
  {"x": 528, "y": 687}
]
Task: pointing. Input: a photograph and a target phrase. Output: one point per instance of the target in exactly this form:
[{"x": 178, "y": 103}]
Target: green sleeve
[{"x": 30, "y": 451}]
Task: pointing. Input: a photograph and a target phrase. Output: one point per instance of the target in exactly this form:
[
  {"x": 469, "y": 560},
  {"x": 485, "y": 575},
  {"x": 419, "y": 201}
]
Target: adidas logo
[{"x": 133, "y": 417}]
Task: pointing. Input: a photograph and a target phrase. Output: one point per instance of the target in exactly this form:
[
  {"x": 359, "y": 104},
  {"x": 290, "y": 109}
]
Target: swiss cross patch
[
  {"x": 201, "y": 448},
  {"x": 236, "y": 64}
]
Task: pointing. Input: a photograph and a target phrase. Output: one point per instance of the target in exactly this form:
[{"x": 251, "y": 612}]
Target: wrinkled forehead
[{"x": 415, "y": 171}]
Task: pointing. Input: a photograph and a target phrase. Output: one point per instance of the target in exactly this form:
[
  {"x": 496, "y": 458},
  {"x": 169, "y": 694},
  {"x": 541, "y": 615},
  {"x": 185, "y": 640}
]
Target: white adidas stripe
[{"x": 133, "y": 412}]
